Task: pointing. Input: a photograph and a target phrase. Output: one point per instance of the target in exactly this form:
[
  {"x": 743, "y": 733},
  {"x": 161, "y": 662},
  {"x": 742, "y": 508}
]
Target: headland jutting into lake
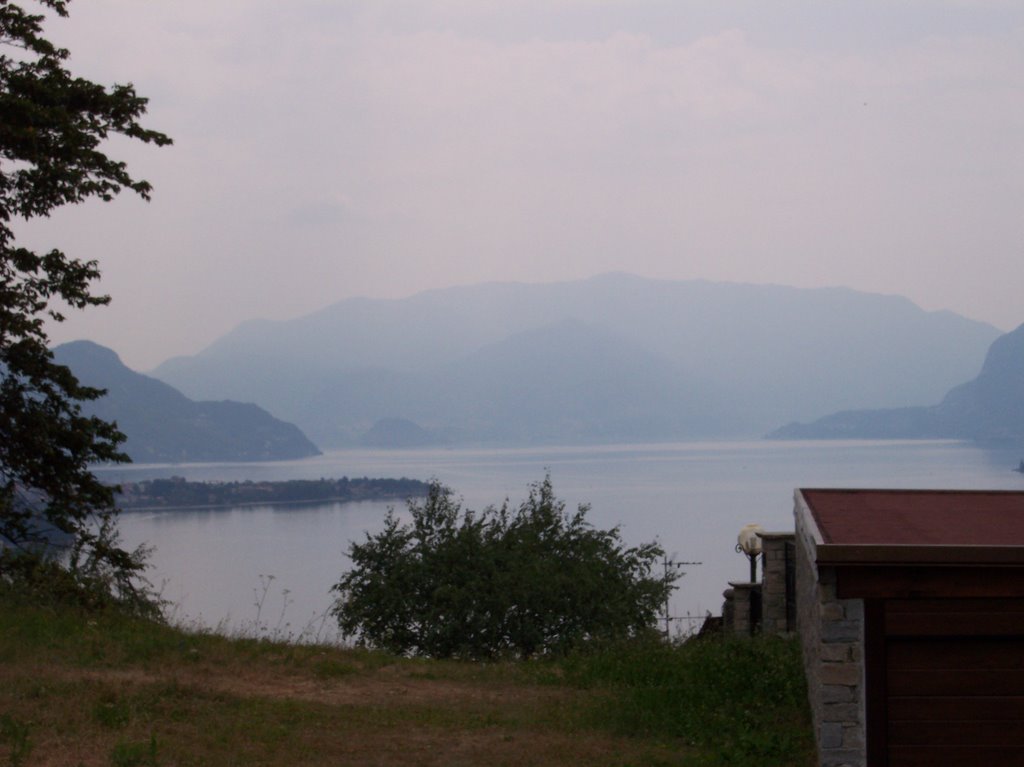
[{"x": 178, "y": 493}]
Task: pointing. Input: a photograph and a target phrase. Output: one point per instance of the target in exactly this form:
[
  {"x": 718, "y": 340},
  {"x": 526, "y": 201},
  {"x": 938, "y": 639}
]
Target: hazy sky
[{"x": 334, "y": 148}]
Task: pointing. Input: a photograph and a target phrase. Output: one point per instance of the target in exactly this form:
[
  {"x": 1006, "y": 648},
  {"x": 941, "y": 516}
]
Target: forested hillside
[
  {"x": 613, "y": 358},
  {"x": 163, "y": 425},
  {"x": 988, "y": 408}
]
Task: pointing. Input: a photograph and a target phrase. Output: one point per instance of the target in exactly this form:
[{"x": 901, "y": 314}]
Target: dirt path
[{"x": 381, "y": 687}]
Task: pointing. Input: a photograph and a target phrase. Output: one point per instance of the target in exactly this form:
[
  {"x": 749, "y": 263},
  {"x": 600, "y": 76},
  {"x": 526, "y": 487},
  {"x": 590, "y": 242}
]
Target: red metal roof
[{"x": 918, "y": 517}]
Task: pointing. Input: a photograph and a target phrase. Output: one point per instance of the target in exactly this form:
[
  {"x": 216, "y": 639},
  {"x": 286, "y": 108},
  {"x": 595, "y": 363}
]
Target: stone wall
[
  {"x": 768, "y": 597},
  {"x": 774, "y": 602},
  {"x": 742, "y": 605},
  {"x": 832, "y": 635},
  {"x": 728, "y": 611}
]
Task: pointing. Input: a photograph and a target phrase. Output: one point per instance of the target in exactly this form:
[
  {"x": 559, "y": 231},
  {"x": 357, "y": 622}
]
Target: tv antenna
[{"x": 673, "y": 566}]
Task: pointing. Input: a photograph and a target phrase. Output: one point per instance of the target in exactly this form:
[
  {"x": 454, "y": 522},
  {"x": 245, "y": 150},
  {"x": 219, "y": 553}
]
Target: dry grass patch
[{"x": 79, "y": 690}]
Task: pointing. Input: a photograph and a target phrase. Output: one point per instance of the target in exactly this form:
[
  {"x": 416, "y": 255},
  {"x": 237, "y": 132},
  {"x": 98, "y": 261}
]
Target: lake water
[{"x": 692, "y": 497}]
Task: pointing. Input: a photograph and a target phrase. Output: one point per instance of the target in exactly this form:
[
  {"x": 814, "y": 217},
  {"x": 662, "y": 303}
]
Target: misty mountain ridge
[
  {"x": 612, "y": 358},
  {"x": 163, "y": 425},
  {"x": 987, "y": 409}
]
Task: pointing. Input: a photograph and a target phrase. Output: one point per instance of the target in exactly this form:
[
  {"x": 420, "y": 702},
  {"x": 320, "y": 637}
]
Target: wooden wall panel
[
  {"x": 923, "y": 582},
  {"x": 955, "y": 733},
  {"x": 953, "y": 689},
  {"x": 950, "y": 652},
  {"x": 954, "y": 708},
  {"x": 955, "y": 756},
  {"x": 954, "y": 617}
]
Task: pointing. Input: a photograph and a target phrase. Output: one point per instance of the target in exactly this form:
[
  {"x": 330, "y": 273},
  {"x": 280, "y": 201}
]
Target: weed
[
  {"x": 113, "y": 713},
  {"x": 313, "y": 631},
  {"x": 15, "y": 734},
  {"x": 134, "y": 753},
  {"x": 333, "y": 669},
  {"x": 260, "y": 630}
]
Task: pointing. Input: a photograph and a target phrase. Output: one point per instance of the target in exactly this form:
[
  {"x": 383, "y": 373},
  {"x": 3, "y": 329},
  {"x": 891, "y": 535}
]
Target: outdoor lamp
[{"x": 749, "y": 542}]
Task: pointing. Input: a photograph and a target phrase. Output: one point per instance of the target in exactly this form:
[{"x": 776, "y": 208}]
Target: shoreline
[
  {"x": 179, "y": 494},
  {"x": 261, "y": 504}
]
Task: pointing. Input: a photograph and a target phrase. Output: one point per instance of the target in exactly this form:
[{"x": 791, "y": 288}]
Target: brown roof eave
[{"x": 877, "y": 554}]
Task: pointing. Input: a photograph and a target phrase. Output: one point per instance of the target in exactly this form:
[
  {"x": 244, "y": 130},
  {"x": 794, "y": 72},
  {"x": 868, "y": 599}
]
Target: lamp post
[{"x": 749, "y": 543}]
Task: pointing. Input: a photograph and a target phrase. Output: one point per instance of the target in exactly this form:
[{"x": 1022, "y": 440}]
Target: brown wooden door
[{"x": 954, "y": 682}]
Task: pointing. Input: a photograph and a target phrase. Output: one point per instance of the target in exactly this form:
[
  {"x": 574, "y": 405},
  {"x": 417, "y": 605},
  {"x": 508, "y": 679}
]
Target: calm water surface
[{"x": 693, "y": 497}]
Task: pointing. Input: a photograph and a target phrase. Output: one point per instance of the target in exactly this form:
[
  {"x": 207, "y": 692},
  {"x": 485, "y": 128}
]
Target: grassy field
[{"x": 105, "y": 689}]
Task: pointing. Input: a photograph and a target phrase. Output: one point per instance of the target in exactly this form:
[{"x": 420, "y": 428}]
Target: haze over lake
[{"x": 693, "y": 497}]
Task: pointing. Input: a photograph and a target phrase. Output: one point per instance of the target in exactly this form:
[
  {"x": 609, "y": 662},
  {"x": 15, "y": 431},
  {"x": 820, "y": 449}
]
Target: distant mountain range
[
  {"x": 613, "y": 358},
  {"x": 162, "y": 425},
  {"x": 988, "y": 409}
]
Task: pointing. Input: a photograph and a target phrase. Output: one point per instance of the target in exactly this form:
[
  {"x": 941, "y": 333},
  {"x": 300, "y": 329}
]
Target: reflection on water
[{"x": 693, "y": 497}]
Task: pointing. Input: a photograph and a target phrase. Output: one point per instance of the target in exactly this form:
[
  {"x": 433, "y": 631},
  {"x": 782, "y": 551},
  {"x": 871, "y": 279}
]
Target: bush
[
  {"x": 523, "y": 582},
  {"x": 91, "y": 584}
]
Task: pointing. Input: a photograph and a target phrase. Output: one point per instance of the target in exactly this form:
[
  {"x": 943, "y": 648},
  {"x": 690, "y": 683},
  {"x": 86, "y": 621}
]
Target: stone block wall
[
  {"x": 728, "y": 611},
  {"x": 832, "y": 636},
  {"x": 739, "y": 598},
  {"x": 769, "y": 596},
  {"x": 774, "y": 603}
]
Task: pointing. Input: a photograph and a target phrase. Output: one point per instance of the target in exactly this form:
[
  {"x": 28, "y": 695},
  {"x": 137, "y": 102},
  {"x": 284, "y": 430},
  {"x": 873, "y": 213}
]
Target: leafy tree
[
  {"x": 52, "y": 125},
  {"x": 528, "y": 581}
]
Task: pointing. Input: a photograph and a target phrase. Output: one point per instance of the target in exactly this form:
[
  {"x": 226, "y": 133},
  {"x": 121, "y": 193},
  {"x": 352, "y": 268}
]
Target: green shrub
[
  {"x": 530, "y": 581},
  {"x": 37, "y": 579}
]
